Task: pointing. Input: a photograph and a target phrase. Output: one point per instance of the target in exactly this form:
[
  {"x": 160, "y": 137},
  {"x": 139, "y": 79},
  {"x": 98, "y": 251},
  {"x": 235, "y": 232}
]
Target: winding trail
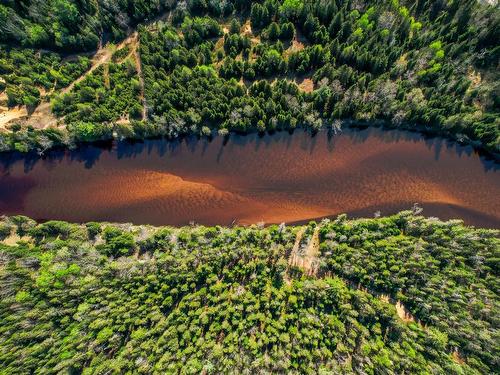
[
  {"x": 102, "y": 56},
  {"x": 42, "y": 117},
  {"x": 138, "y": 65}
]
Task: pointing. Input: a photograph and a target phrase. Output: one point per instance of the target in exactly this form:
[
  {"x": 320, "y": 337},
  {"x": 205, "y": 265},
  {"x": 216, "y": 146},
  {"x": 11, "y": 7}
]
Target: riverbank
[{"x": 40, "y": 141}]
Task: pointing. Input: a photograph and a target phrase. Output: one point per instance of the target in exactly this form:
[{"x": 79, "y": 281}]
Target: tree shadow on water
[
  {"x": 129, "y": 149},
  {"x": 88, "y": 155}
]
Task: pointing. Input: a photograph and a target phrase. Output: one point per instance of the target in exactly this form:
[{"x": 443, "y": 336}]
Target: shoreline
[{"x": 109, "y": 141}]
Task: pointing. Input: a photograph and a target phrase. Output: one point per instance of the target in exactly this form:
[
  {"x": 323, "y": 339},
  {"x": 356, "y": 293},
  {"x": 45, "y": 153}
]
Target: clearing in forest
[
  {"x": 306, "y": 257},
  {"x": 307, "y": 85},
  {"x": 42, "y": 116}
]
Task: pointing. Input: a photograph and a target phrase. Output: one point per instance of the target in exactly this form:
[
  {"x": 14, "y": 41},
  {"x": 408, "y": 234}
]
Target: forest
[
  {"x": 319, "y": 298},
  {"x": 402, "y": 294},
  {"x": 217, "y": 67}
]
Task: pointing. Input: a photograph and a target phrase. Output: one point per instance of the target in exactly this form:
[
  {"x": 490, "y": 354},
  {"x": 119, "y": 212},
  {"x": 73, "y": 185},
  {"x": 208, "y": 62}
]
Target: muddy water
[{"x": 248, "y": 179}]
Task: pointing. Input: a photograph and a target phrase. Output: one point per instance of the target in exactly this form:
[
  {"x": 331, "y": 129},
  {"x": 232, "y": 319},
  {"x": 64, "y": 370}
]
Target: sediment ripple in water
[{"x": 249, "y": 179}]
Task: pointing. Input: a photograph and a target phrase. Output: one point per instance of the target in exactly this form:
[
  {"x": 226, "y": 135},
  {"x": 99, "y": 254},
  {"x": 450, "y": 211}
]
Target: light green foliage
[
  {"x": 291, "y": 7},
  {"x": 439, "y": 54},
  {"x": 224, "y": 300},
  {"x": 415, "y": 25},
  {"x": 444, "y": 273},
  {"x": 404, "y": 12},
  {"x": 88, "y": 132},
  {"x": 436, "y": 45},
  {"x": 22, "y": 296},
  {"x": 118, "y": 242},
  {"x": 358, "y": 33}
]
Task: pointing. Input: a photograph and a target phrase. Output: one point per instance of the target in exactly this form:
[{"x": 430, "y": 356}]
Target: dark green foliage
[
  {"x": 117, "y": 242},
  {"x": 429, "y": 65},
  {"x": 121, "y": 54},
  {"x": 287, "y": 31},
  {"x": 234, "y": 44},
  {"x": 5, "y": 230},
  {"x": 51, "y": 229},
  {"x": 198, "y": 30},
  {"x": 23, "y": 224},
  {"x": 183, "y": 99},
  {"x": 93, "y": 229},
  {"x": 413, "y": 82},
  {"x": 104, "y": 96},
  {"x": 219, "y": 300},
  {"x": 71, "y": 24},
  {"x": 27, "y": 72}
]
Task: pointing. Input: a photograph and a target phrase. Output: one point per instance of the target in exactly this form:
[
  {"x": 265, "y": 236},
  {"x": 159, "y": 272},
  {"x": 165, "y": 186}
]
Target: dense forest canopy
[
  {"x": 73, "y": 24},
  {"x": 197, "y": 66},
  {"x": 322, "y": 298}
]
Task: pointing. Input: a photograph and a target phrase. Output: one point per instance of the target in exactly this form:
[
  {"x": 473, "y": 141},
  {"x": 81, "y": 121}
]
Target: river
[{"x": 247, "y": 179}]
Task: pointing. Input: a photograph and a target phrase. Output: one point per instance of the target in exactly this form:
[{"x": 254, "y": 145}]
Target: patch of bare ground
[
  {"x": 474, "y": 77},
  {"x": 457, "y": 357},
  {"x": 247, "y": 28},
  {"x": 306, "y": 85},
  {"x": 295, "y": 46},
  {"x": 14, "y": 238},
  {"x": 219, "y": 44},
  {"x": 292, "y": 257},
  {"x": 306, "y": 257},
  {"x": 123, "y": 120},
  {"x": 255, "y": 40},
  {"x": 8, "y": 115},
  {"x": 42, "y": 116},
  {"x": 384, "y": 298},
  {"x": 403, "y": 313},
  {"x": 296, "y": 245}
]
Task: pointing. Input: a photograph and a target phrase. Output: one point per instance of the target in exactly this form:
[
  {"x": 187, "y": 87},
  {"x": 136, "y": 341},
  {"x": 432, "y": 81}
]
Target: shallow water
[{"x": 249, "y": 179}]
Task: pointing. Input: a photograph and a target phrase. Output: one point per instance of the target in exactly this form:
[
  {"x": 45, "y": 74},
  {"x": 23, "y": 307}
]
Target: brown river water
[{"x": 247, "y": 179}]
